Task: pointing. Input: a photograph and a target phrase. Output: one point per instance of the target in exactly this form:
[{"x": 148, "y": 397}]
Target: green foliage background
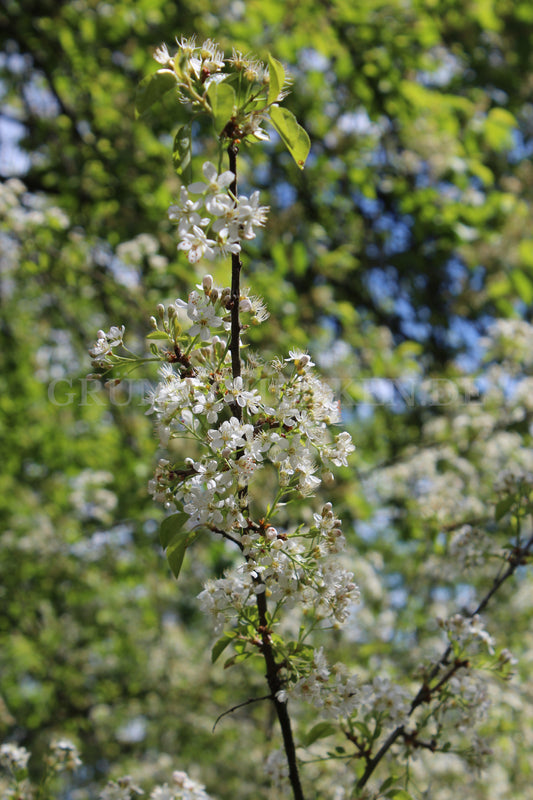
[{"x": 408, "y": 232}]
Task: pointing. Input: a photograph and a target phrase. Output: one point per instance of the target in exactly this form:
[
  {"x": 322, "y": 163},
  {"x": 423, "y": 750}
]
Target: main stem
[
  {"x": 236, "y": 265},
  {"x": 274, "y": 684},
  {"x": 272, "y": 668}
]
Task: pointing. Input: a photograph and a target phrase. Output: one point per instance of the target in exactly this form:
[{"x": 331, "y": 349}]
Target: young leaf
[
  {"x": 158, "y": 335},
  {"x": 277, "y": 79},
  {"x": 220, "y": 646},
  {"x": 176, "y": 539},
  {"x": 222, "y": 99},
  {"x": 294, "y": 137},
  {"x": 153, "y": 88},
  {"x": 182, "y": 153},
  {"x": 318, "y": 731},
  {"x": 387, "y": 783},
  {"x": 503, "y": 506},
  {"x": 170, "y": 527},
  {"x": 176, "y": 550}
]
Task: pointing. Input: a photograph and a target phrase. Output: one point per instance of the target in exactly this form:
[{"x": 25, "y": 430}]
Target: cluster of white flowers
[
  {"x": 197, "y": 67},
  {"x": 511, "y": 341},
  {"x": 267, "y": 426},
  {"x": 13, "y": 758},
  {"x": 468, "y": 701},
  {"x": 277, "y": 769},
  {"x": 182, "y": 788},
  {"x": 285, "y": 568},
  {"x": 285, "y": 427},
  {"x": 462, "y": 630},
  {"x": 514, "y": 479},
  {"x": 387, "y": 701},
  {"x": 469, "y": 546},
  {"x": 217, "y": 214},
  {"x": 63, "y": 755},
  {"x": 105, "y": 344},
  {"x": 332, "y": 690}
]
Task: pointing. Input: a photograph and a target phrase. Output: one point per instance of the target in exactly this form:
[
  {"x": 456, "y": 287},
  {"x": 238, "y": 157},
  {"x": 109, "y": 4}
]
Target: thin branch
[
  {"x": 274, "y": 684},
  {"x": 516, "y": 559},
  {"x": 241, "y": 705},
  {"x": 236, "y": 266}
]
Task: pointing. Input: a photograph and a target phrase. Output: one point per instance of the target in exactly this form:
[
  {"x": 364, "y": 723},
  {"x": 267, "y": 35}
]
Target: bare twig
[{"x": 241, "y": 705}]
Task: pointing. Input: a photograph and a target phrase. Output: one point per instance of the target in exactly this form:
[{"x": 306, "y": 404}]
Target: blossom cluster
[
  {"x": 104, "y": 346},
  {"x": 238, "y": 430},
  {"x": 197, "y": 67},
  {"x": 462, "y": 630},
  {"x": 229, "y": 219},
  {"x": 13, "y": 758},
  {"x": 182, "y": 788},
  {"x": 272, "y": 419},
  {"x": 63, "y": 756}
]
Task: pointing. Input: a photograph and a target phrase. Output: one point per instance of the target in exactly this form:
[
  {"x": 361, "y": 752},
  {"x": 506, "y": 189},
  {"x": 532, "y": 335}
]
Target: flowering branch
[{"x": 518, "y": 557}]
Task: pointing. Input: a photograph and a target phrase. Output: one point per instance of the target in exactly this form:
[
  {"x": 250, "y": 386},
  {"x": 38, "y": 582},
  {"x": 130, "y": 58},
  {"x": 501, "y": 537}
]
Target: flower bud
[
  {"x": 207, "y": 283},
  {"x": 160, "y": 310},
  {"x": 245, "y": 305}
]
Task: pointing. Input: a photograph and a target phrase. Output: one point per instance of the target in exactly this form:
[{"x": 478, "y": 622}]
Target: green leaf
[
  {"x": 158, "y": 335},
  {"x": 222, "y": 99},
  {"x": 387, "y": 783},
  {"x": 220, "y": 646},
  {"x": 523, "y": 285},
  {"x": 176, "y": 550},
  {"x": 294, "y": 137},
  {"x": 153, "y": 88},
  {"x": 318, "y": 731},
  {"x": 277, "y": 79},
  {"x": 170, "y": 527},
  {"x": 176, "y": 539},
  {"x": 503, "y": 506},
  {"x": 400, "y": 794},
  {"x": 182, "y": 153}
]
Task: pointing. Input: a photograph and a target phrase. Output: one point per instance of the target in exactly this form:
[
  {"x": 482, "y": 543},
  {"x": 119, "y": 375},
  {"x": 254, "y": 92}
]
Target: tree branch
[
  {"x": 274, "y": 684},
  {"x": 516, "y": 559}
]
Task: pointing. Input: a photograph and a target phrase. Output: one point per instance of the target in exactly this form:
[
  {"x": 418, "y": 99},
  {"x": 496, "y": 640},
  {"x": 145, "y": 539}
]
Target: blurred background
[{"x": 401, "y": 258}]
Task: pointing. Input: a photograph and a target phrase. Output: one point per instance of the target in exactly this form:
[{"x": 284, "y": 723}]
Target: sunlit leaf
[
  {"x": 170, "y": 527},
  {"x": 277, "y": 79},
  {"x": 153, "y": 88},
  {"x": 222, "y": 99},
  {"x": 294, "y": 137}
]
